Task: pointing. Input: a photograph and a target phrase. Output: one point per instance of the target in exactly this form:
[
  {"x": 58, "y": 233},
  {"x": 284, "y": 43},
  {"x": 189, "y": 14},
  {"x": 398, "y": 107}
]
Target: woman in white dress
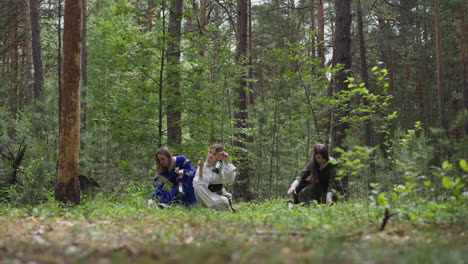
[{"x": 210, "y": 177}]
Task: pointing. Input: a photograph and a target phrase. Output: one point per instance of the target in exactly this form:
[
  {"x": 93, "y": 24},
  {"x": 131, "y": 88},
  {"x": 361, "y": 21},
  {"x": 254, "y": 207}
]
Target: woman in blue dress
[{"x": 174, "y": 182}]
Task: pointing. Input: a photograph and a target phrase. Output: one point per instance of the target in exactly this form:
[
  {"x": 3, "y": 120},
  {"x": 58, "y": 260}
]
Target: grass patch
[{"x": 124, "y": 229}]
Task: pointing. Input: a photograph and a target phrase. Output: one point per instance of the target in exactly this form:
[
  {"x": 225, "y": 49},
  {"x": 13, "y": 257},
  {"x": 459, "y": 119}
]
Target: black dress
[{"x": 309, "y": 191}]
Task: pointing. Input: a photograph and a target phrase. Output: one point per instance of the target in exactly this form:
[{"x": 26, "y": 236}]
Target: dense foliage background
[{"x": 291, "y": 103}]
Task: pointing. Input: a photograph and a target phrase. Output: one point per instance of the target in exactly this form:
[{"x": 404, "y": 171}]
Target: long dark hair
[{"x": 322, "y": 150}]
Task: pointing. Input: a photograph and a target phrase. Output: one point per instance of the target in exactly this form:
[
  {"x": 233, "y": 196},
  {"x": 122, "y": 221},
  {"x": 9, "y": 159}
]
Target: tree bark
[
  {"x": 150, "y": 14},
  {"x": 174, "y": 115},
  {"x": 250, "y": 98},
  {"x": 68, "y": 188},
  {"x": 59, "y": 52},
  {"x": 364, "y": 71},
  {"x": 241, "y": 188},
  {"x": 464, "y": 62},
  {"x": 13, "y": 89},
  {"x": 312, "y": 28},
  {"x": 37, "y": 50},
  {"x": 440, "y": 80},
  {"x": 202, "y": 25},
  {"x": 343, "y": 58},
  {"x": 161, "y": 75},
  {"x": 84, "y": 68},
  {"x": 321, "y": 33},
  {"x": 28, "y": 50},
  {"x": 278, "y": 10}
]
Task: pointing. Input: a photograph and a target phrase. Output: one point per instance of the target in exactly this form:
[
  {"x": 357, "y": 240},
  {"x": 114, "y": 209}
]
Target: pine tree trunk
[
  {"x": 28, "y": 51},
  {"x": 59, "y": 51},
  {"x": 250, "y": 60},
  {"x": 149, "y": 13},
  {"x": 278, "y": 10},
  {"x": 342, "y": 57},
  {"x": 14, "y": 66},
  {"x": 37, "y": 50},
  {"x": 464, "y": 62},
  {"x": 202, "y": 25},
  {"x": 364, "y": 70},
  {"x": 312, "y": 28},
  {"x": 68, "y": 188},
  {"x": 174, "y": 115},
  {"x": 241, "y": 188},
  {"x": 321, "y": 32},
  {"x": 440, "y": 81}
]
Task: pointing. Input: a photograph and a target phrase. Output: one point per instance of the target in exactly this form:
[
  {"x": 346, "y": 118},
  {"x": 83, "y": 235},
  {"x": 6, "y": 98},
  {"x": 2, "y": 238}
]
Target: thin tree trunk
[
  {"x": 202, "y": 25},
  {"x": 464, "y": 62},
  {"x": 59, "y": 54},
  {"x": 150, "y": 14},
  {"x": 161, "y": 74},
  {"x": 343, "y": 58},
  {"x": 250, "y": 59},
  {"x": 364, "y": 70},
  {"x": 13, "y": 38},
  {"x": 440, "y": 80},
  {"x": 37, "y": 50},
  {"x": 273, "y": 145},
  {"x": 426, "y": 96},
  {"x": 174, "y": 114},
  {"x": 68, "y": 188},
  {"x": 28, "y": 50},
  {"x": 312, "y": 28},
  {"x": 321, "y": 32},
  {"x": 278, "y": 11}
]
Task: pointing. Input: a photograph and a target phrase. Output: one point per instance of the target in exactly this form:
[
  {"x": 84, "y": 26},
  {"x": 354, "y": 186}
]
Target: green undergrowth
[{"x": 123, "y": 228}]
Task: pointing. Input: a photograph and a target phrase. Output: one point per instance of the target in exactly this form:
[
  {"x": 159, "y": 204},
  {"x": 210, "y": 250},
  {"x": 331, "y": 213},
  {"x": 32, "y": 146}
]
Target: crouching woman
[
  {"x": 174, "y": 183},
  {"x": 317, "y": 181},
  {"x": 210, "y": 179}
]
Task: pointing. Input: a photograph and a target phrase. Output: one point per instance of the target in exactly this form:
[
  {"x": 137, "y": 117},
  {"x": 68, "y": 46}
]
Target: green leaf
[
  {"x": 464, "y": 164},
  {"x": 447, "y": 182},
  {"x": 413, "y": 217},
  {"x": 382, "y": 200},
  {"x": 428, "y": 184},
  {"x": 446, "y": 166}
]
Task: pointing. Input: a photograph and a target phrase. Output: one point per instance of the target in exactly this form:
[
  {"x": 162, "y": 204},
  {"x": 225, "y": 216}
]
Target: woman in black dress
[{"x": 317, "y": 181}]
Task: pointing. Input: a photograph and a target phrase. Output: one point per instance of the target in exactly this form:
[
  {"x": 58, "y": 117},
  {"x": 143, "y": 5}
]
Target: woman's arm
[
  {"x": 331, "y": 184},
  {"x": 201, "y": 164},
  {"x": 228, "y": 173},
  {"x": 187, "y": 169}
]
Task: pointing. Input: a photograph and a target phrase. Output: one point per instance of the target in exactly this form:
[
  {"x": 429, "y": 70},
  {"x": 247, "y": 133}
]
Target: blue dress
[{"x": 166, "y": 184}]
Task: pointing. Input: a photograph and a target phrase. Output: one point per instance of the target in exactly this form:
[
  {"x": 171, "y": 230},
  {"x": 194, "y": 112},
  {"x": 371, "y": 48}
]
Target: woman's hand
[
  {"x": 201, "y": 162},
  {"x": 223, "y": 155},
  {"x": 292, "y": 190},
  {"x": 181, "y": 174}
]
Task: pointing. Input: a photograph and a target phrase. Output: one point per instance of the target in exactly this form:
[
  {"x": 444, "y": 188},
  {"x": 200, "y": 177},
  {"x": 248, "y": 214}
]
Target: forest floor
[{"x": 269, "y": 232}]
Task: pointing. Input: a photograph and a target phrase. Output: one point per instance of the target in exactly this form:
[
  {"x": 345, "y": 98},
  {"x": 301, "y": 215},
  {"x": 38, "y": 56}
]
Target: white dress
[{"x": 210, "y": 199}]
